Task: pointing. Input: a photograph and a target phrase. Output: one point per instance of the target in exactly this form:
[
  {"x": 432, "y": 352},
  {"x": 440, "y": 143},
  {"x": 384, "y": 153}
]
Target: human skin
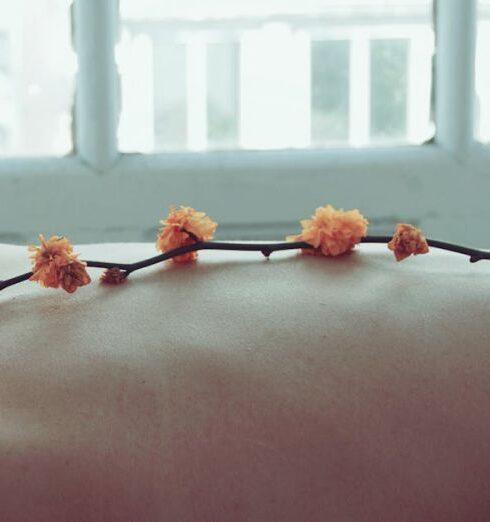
[{"x": 246, "y": 389}]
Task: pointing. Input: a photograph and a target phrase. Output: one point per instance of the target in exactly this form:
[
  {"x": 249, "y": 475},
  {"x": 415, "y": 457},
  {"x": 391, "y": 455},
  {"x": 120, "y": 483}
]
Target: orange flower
[
  {"x": 406, "y": 241},
  {"x": 183, "y": 227},
  {"x": 73, "y": 275},
  {"x": 332, "y": 232},
  {"x": 54, "y": 265},
  {"x": 113, "y": 276}
]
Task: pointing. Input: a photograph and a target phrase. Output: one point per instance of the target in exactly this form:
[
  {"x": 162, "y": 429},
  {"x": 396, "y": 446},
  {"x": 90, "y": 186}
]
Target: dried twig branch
[{"x": 265, "y": 248}]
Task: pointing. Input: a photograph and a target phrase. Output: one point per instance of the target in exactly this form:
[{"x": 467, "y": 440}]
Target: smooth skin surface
[{"x": 245, "y": 389}]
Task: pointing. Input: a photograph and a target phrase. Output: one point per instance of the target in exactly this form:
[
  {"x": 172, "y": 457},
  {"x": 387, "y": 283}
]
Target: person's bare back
[{"x": 241, "y": 389}]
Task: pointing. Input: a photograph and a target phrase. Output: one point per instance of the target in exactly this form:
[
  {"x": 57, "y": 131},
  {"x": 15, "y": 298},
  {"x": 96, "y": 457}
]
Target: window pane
[
  {"x": 389, "y": 89},
  {"x": 482, "y": 80},
  {"x": 274, "y": 85},
  {"x": 169, "y": 83},
  {"x": 223, "y": 76},
  {"x": 330, "y": 91},
  {"x": 272, "y": 74},
  {"x": 37, "y": 67}
]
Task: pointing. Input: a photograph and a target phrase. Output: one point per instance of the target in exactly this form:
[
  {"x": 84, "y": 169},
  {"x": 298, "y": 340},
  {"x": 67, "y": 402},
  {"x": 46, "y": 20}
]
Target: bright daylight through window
[
  {"x": 269, "y": 74},
  {"x": 37, "y": 69},
  {"x": 199, "y": 75}
]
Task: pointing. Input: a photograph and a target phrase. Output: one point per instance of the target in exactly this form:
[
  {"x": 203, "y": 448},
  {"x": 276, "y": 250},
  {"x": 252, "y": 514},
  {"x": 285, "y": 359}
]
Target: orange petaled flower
[
  {"x": 54, "y": 265},
  {"x": 182, "y": 227},
  {"x": 406, "y": 241},
  {"x": 332, "y": 232},
  {"x": 113, "y": 276},
  {"x": 73, "y": 275}
]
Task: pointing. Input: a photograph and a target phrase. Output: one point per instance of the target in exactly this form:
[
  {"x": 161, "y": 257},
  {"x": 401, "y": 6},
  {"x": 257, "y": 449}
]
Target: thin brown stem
[{"x": 265, "y": 248}]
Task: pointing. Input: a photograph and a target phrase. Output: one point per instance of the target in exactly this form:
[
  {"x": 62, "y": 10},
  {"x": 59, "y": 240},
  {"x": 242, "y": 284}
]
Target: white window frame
[{"x": 442, "y": 186}]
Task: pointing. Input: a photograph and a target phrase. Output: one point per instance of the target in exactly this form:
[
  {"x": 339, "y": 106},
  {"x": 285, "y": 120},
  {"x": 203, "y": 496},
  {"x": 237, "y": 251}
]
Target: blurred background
[{"x": 214, "y": 77}]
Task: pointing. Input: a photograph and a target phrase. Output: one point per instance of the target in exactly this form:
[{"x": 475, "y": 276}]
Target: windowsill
[{"x": 246, "y": 192}]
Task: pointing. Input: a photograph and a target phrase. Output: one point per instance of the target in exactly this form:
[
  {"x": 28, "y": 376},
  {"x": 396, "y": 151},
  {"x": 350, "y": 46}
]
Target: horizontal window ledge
[
  {"x": 278, "y": 161},
  {"x": 66, "y": 166},
  {"x": 250, "y": 164},
  {"x": 246, "y": 192}
]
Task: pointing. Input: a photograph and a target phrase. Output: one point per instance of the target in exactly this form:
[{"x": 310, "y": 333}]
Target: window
[
  {"x": 268, "y": 75},
  {"x": 253, "y": 111},
  {"x": 37, "y": 67},
  {"x": 482, "y": 100}
]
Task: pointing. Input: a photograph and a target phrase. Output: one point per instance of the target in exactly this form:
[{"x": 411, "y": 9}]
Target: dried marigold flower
[
  {"x": 54, "y": 265},
  {"x": 113, "y": 276},
  {"x": 407, "y": 241},
  {"x": 332, "y": 232},
  {"x": 73, "y": 276},
  {"x": 182, "y": 227}
]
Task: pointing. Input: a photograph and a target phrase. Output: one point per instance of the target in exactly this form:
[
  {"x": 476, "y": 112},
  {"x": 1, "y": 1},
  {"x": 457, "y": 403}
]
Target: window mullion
[
  {"x": 359, "y": 91},
  {"x": 97, "y": 95},
  {"x": 455, "y": 58}
]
